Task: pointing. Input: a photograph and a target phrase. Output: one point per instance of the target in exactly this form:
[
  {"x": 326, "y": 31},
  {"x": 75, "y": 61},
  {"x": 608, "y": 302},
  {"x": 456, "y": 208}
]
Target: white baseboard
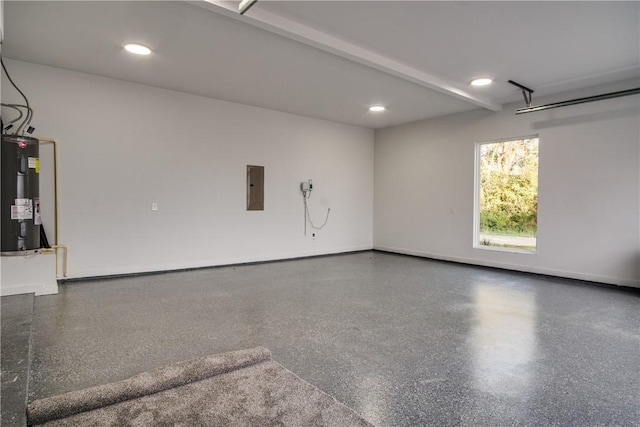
[
  {"x": 118, "y": 271},
  {"x": 515, "y": 267}
]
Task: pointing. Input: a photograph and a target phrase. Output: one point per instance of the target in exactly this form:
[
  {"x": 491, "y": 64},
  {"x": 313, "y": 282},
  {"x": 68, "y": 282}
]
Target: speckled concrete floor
[
  {"x": 403, "y": 341},
  {"x": 17, "y": 313}
]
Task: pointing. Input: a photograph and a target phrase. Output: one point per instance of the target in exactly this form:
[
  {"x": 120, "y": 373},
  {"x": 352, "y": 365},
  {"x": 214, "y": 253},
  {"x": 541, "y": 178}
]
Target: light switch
[{"x": 154, "y": 206}]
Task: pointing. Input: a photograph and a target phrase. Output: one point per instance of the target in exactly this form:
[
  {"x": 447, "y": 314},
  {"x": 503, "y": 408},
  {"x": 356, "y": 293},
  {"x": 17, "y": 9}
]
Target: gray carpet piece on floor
[{"x": 239, "y": 388}]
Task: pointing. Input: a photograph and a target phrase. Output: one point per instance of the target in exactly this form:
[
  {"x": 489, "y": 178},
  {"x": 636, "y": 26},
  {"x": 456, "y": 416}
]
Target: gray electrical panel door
[{"x": 255, "y": 188}]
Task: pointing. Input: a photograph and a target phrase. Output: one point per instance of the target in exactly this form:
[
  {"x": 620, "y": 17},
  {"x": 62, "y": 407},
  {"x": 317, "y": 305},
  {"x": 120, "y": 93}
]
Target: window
[{"x": 506, "y": 195}]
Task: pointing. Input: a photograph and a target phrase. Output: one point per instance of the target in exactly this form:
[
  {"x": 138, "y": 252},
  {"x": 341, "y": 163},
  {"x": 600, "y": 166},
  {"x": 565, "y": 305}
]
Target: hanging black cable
[{"x": 26, "y": 101}]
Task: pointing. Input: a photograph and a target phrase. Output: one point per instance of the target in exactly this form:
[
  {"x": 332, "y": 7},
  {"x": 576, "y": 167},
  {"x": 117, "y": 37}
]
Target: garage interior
[{"x": 357, "y": 263}]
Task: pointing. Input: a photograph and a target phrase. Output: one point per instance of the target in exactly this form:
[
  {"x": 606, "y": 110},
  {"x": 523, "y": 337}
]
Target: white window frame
[{"x": 476, "y": 196}]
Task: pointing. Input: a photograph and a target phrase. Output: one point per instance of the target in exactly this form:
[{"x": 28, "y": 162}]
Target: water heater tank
[{"x": 20, "y": 195}]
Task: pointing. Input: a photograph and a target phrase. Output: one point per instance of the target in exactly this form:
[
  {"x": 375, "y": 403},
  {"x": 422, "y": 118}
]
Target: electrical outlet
[{"x": 154, "y": 206}]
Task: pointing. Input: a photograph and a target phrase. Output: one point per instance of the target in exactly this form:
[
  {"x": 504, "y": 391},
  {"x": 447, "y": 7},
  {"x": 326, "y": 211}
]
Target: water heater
[{"x": 21, "y": 215}]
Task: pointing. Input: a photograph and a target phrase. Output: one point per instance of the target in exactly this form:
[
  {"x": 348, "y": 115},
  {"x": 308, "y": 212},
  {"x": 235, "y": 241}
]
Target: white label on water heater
[
  {"x": 33, "y": 162},
  {"x": 21, "y": 212}
]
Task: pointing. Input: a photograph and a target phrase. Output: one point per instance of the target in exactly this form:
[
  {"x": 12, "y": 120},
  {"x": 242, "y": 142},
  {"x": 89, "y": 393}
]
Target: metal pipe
[
  {"x": 526, "y": 92},
  {"x": 579, "y": 101},
  {"x": 56, "y": 245},
  {"x": 54, "y": 249},
  {"x": 55, "y": 183},
  {"x": 521, "y": 86}
]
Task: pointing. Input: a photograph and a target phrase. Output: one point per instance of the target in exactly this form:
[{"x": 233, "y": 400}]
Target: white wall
[
  {"x": 123, "y": 146},
  {"x": 1, "y": 20},
  {"x": 589, "y": 187}
]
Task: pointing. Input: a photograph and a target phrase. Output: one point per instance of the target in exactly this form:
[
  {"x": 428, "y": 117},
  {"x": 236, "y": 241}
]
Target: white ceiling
[{"x": 332, "y": 59}]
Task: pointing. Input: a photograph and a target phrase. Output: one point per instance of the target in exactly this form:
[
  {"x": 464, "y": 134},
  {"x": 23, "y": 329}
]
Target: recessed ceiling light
[
  {"x": 138, "y": 49},
  {"x": 483, "y": 81},
  {"x": 377, "y": 108}
]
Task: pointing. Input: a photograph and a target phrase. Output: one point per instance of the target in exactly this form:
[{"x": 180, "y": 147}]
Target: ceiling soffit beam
[{"x": 301, "y": 33}]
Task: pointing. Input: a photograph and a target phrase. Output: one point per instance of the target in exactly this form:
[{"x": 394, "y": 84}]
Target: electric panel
[{"x": 255, "y": 188}]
